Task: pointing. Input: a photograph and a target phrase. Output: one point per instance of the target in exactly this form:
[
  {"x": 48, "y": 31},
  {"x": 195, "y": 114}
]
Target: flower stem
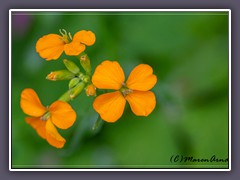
[{"x": 97, "y": 123}]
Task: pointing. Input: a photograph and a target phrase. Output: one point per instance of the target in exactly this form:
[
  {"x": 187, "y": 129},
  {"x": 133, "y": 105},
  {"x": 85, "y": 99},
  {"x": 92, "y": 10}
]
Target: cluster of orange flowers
[{"x": 108, "y": 75}]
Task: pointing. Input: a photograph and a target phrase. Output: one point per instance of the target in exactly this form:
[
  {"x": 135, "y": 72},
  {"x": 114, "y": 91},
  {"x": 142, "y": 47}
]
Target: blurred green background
[{"x": 189, "y": 54}]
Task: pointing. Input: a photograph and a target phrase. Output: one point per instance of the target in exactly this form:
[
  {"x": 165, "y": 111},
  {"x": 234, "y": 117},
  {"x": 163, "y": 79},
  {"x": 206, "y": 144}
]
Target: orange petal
[
  {"x": 74, "y": 48},
  {"x": 50, "y": 46},
  {"x": 38, "y": 125},
  {"x": 31, "y": 104},
  {"x": 62, "y": 114},
  {"x": 110, "y": 106},
  {"x": 142, "y": 103},
  {"x": 108, "y": 75},
  {"x": 141, "y": 78},
  {"x": 86, "y": 37},
  {"x": 53, "y": 137}
]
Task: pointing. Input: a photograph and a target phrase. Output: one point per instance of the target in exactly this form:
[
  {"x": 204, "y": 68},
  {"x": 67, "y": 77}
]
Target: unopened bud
[
  {"x": 77, "y": 90},
  {"x": 71, "y": 66},
  {"x": 73, "y": 82},
  {"x": 60, "y": 75},
  {"x": 90, "y": 90},
  {"x": 85, "y": 62}
]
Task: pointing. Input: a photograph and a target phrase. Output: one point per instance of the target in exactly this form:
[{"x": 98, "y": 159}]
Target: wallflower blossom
[
  {"x": 110, "y": 106},
  {"x": 51, "y": 46},
  {"x": 44, "y": 119}
]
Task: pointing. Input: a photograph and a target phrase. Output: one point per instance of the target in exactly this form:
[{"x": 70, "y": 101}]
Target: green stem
[{"x": 97, "y": 123}]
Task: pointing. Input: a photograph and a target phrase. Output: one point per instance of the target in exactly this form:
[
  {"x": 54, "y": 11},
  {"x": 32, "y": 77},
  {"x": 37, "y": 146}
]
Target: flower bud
[
  {"x": 77, "y": 90},
  {"x": 85, "y": 62},
  {"x": 71, "y": 66},
  {"x": 60, "y": 75},
  {"x": 90, "y": 90},
  {"x": 73, "y": 82}
]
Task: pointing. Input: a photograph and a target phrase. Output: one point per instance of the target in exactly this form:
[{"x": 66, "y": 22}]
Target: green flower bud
[
  {"x": 71, "y": 66},
  {"x": 85, "y": 62},
  {"x": 77, "y": 90},
  {"x": 73, "y": 82},
  {"x": 60, "y": 75}
]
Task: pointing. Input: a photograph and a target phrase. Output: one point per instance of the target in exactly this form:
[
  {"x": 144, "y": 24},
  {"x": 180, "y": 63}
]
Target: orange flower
[
  {"x": 110, "y": 106},
  {"x": 51, "y": 46},
  {"x": 43, "y": 119}
]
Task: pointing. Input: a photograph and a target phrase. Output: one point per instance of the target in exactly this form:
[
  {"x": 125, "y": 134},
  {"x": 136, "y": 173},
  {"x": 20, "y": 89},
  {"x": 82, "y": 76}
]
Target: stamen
[
  {"x": 65, "y": 36},
  {"x": 125, "y": 91},
  {"x": 63, "y": 32},
  {"x": 46, "y": 116},
  {"x": 69, "y": 35}
]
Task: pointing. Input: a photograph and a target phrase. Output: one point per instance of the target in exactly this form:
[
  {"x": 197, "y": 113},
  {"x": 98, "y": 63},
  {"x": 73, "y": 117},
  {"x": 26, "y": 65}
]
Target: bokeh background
[{"x": 189, "y": 54}]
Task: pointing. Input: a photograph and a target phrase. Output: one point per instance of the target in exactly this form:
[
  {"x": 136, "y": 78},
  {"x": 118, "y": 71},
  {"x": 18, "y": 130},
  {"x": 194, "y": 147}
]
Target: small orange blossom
[
  {"x": 110, "y": 106},
  {"x": 43, "y": 119},
  {"x": 90, "y": 90},
  {"x": 51, "y": 46}
]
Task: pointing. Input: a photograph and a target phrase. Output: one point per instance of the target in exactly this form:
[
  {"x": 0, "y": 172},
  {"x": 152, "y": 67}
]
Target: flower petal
[
  {"x": 86, "y": 37},
  {"x": 142, "y": 103},
  {"x": 52, "y": 135},
  {"x": 141, "y": 78},
  {"x": 74, "y": 48},
  {"x": 62, "y": 114},
  {"x": 50, "y": 47},
  {"x": 31, "y": 104},
  {"x": 108, "y": 75},
  {"x": 38, "y": 125},
  {"x": 110, "y": 106}
]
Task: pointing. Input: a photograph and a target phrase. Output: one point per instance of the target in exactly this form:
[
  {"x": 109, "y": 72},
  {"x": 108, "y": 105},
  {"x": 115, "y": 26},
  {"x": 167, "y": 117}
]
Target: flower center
[
  {"x": 66, "y": 37},
  {"x": 125, "y": 90},
  {"x": 46, "y": 116}
]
